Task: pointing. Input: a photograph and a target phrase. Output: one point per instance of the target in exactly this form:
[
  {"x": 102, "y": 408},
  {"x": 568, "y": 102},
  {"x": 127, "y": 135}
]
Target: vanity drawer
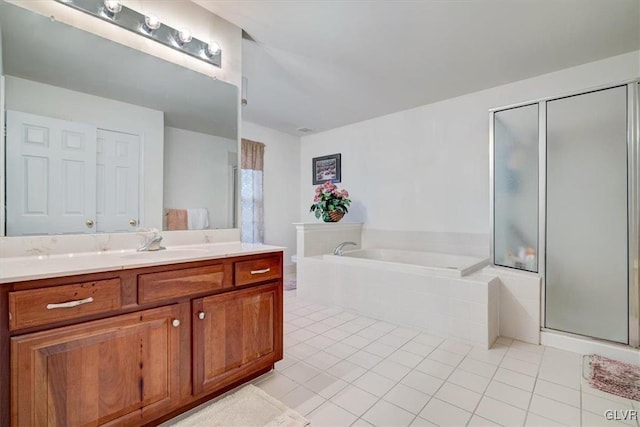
[
  {"x": 258, "y": 270},
  {"x": 35, "y": 307},
  {"x": 154, "y": 287}
]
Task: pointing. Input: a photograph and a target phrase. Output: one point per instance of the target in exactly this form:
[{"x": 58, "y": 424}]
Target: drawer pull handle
[
  {"x": 70, "y": 303},
  {"x": 266, "y": 270}
]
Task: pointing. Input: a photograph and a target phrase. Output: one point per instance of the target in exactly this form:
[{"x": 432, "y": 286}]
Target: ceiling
[
  {"x": 37, "y": 48},
  {"x": 324, "y": 64}
]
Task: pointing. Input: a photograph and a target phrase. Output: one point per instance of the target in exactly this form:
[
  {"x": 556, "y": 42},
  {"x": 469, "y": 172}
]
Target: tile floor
[{"x": 342, "y": 369}]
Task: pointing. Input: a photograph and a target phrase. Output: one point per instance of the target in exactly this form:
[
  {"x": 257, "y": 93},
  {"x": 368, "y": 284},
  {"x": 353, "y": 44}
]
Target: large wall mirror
[{"x": 104, "y": 138}]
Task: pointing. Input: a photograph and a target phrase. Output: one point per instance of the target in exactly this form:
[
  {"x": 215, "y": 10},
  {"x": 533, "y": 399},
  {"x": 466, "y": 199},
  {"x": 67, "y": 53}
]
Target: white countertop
[{"x": 19, "y": 269}]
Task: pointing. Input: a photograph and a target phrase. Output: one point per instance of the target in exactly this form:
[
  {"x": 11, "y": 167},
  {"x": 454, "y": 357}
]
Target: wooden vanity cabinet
[
  {"x": 122, "y": 370},
  {"x": 172, "y": 336},
  {"x": 234, "y": 334}
]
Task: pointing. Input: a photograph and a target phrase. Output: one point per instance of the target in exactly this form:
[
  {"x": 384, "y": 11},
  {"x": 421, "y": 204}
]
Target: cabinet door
[
  {"x": 235, "y": 334},
  {"x": 123, "y": 369}
]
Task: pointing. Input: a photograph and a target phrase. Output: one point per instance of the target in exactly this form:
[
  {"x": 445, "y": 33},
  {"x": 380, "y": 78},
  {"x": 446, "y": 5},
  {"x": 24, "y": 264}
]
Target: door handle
[
  {"x": 89, "y": 223},
  {"x": 133, "y": 222},
  {"x": 69, "y": 304}
]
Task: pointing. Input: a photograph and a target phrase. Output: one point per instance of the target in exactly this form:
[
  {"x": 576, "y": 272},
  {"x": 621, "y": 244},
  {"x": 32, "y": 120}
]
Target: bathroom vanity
[{"x": 138, "y": 340}]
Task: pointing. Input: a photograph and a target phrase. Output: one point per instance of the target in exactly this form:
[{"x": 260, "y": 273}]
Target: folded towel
[
  {"x": 198, "y": 219},
  {"x": 177, "y": 219}
]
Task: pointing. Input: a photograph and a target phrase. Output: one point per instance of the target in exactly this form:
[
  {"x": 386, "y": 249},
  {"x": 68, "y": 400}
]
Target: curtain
[{"x": 251, "y": 197}]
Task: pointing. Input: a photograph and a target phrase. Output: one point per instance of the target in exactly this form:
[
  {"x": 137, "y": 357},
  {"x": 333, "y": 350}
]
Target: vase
[{"x": 332, "y": 216}]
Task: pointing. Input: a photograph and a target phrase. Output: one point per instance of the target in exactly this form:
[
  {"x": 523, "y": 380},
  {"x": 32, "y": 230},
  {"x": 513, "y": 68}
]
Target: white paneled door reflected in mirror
[{"x": 105, "y": 138}]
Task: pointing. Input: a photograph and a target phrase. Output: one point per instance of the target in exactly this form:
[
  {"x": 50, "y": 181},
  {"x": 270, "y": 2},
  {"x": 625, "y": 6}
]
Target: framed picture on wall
[{"x": 326, "y": 168}]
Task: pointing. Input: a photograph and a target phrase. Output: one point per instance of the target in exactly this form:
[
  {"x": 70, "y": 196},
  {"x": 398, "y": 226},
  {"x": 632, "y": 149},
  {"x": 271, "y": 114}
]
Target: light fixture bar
[{"x": 134, "y": 21}]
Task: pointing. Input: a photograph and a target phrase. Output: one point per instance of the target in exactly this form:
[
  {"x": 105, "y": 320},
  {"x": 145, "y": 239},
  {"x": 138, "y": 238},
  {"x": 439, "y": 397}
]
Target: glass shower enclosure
[{"x": 564, "y": 205}]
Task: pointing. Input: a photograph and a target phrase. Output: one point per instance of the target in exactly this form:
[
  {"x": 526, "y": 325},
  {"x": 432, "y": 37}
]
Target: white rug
[{"x": 248, "y": 407}]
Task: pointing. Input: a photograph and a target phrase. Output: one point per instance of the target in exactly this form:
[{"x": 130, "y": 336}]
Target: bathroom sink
[{"x": 166, "y": 253}]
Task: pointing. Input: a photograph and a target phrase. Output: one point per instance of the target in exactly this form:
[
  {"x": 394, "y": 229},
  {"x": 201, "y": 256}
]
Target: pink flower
[
  {"x": 330, "y": 193},
  {"x": 329, "y": 186}
]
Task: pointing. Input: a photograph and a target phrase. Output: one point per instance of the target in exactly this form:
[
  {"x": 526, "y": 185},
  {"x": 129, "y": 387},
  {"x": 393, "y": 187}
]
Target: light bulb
[
  {"x": 113, "y": 6},
  {"x": 151, "y": 22},
  {"x": 184, "y": 36},
  {"x": 213, "y": 49}
]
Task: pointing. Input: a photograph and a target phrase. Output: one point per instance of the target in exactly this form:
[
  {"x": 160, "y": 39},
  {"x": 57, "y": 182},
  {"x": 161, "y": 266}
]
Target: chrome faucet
[
  {"x": 338, "y": 249},
  {"x": 152, "y": 243}
]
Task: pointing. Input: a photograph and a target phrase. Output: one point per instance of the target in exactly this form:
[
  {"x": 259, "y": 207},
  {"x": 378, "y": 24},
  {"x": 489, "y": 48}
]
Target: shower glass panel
[
  {"x": 515, "y": 191},
  {"x": 586, "y": 238}
]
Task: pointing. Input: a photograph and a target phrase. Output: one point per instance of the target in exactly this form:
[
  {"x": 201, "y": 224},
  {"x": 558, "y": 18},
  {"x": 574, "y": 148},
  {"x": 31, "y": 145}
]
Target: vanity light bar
[{"x": 150, "y": 27}]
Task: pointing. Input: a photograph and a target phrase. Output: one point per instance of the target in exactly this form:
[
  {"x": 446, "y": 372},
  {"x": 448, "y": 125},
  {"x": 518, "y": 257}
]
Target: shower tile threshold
[{"x": 343, "y": 369}]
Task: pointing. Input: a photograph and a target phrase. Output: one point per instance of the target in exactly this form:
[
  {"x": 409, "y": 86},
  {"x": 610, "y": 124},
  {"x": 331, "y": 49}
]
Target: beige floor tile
[
  {"x": 331, "y": 415},
  {"x": 407, "y": 398},
  {"x": 459, "y": 396},
  {"x": 384, "y": 413},
  {"x": 468, "y": 380},
  {"x": 557, "y": 411},
  {"x": 508, "y": 394},
  {"x": 500, "y": 412},
  {"x": 444, "y": 414},
  {"x": 354, "y": 400}
]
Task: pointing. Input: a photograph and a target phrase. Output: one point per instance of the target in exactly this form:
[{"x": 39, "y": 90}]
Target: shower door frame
[{"x": 633, "y": 202}]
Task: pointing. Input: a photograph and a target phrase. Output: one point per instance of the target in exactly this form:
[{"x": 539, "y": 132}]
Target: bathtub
[
  {"x": 429, "y": 262},
  {"x": 441, "y": 294}
]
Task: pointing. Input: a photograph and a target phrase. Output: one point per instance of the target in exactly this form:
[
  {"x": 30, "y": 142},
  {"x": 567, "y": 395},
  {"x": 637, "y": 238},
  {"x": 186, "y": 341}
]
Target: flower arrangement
[{"x": 329, "y": 202}]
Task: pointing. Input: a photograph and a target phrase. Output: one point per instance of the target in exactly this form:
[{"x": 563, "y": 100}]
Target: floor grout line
[
  {"x": 486, "y": 387},
  {"x": 387, "y": 330}
]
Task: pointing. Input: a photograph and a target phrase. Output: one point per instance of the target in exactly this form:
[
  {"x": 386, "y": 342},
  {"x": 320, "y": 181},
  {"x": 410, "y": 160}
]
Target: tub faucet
[
  {"x": 338, "y": 249},
  {"x": 152, "y": 243}
]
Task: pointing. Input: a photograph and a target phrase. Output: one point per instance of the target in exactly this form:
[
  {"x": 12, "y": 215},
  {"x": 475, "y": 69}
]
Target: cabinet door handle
[
  {"x": 175, "y": 323},
  {"x": 70, "y": 303},
  {"x": 201, "y": 315},
  {"x": 266, "y": 270}
]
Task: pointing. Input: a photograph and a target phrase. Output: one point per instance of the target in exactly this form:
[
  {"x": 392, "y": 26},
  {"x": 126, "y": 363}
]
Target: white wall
[
  {"x": 52, "y": 101},
  {"x": 197, "y": 173},
  {"x": 281, "y": 184},
  {"x": 427, "y": 169}
]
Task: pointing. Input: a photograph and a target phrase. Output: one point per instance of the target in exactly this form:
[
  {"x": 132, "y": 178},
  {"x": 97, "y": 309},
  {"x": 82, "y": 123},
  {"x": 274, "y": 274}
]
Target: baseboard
[{"x": 584, "y": 345}]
